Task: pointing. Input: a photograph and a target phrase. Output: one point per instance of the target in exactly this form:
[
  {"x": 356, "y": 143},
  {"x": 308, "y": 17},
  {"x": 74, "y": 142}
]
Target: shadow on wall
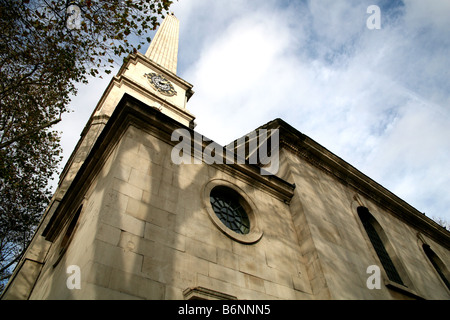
[{"x": 136, "y": 212}]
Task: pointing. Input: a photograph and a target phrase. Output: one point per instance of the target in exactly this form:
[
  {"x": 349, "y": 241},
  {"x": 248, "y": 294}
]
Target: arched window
[
  {"x": 437, "y": 264},
  {"x": 374, "y": 232},
  {"x": 68, "y": 235}
]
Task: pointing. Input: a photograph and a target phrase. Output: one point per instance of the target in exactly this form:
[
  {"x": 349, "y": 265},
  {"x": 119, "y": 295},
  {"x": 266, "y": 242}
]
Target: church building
[{"x": 148, "y": 208}]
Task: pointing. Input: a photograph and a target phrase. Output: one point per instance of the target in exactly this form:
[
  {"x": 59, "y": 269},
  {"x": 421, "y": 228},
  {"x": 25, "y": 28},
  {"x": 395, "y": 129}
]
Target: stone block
[
  {"x": 116, "y": 201},
  {"x": 173, "y": 293},
  {"x": 143, "y": 181},
  {"x": 136, "y": 244},
  {"x": 254, "y": 267},
  {"x": 160, "y": 202},
  {"x": 201, "y": 250},
  {"x": 168, "y": 191},
  {"x": 227, "y": 259},
  {"x": 172, "y": 267},
  {"x": 216, "y": 285},
  {"x": 166, "y": 237},
  {"x": 279, "y": 291},
  {"x": 94, "y": 292},
  {"x": 127, "y": 189},
  {"x": 97, "y": 273},
  {"x": 254, "y": 283},
  {"x": 151, "y": 214},
  {"x": 108, "y": 233},
  {"x": 155, "y": 171},
  {"x": 301, "y": 283},
  {"x": 21, "y": 288},
  {"x": 117, "y": 257},
  {"x": 123, "y": 222},
  {"x": 38, "y": 249},
  {"x": 167, "y": 176},
  {"x": 225, "y": 274},
  {"x": 136, "y": 285},
  {"x": 152, "y": 153},
  {"x": 282, "y": 255},
  {"x": 133, "y": 160},
  {"x": 128, "y": 145}
]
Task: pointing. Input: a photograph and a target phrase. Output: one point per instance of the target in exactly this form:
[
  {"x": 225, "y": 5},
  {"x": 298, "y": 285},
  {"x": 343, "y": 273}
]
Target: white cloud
[
  {"x": 360, "y": 93},
  {"x": 379, "y": 99},
  {"x": 431, "y": 14},
  {"x": 413, "y": 157},
  {"x": 244, "y": 70}
]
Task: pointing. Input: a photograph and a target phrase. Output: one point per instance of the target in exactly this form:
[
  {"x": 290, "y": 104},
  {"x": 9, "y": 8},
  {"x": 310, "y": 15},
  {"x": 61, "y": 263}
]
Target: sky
[{"x": 377, "y": 98}]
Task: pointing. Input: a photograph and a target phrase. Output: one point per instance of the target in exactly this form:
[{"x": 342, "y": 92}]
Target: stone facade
[
  {"x": 137, "y": 226},
  {"x": 144, "y": 231}
]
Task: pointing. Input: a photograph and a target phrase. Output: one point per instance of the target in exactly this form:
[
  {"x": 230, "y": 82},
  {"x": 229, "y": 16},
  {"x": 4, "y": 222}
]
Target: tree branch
[
  {"x": 17, "y": 258},
  {"x": 18, "y": 137},
  {"x": 18, "y": 82}
]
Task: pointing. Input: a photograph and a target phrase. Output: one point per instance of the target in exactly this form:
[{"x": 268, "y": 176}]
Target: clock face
[{"x": 161, "y": 84}]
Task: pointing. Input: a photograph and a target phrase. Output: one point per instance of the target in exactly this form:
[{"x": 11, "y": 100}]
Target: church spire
[{"x": 164, "y": 47}]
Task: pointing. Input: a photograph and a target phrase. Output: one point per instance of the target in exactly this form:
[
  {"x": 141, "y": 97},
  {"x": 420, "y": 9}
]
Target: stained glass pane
[
  {"x": 434, "y": 261},
  {"x": 227, "y": 207},
  {"x": 380, "y": 249}
]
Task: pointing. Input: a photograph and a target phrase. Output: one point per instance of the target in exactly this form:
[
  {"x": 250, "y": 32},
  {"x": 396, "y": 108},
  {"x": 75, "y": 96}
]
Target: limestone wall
[
  {"x": 326, "y": 220},
  {"x": 144, "y": 233}
]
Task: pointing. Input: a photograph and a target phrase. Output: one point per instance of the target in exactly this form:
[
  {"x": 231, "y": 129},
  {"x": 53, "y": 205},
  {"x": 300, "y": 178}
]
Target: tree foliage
[{"x": 46, "y": 48}]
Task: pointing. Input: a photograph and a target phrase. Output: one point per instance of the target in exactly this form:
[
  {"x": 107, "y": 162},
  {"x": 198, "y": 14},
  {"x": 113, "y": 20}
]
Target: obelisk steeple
[
  {"x": 163, "y": 49},
  {"x": 152, "y": 77}
]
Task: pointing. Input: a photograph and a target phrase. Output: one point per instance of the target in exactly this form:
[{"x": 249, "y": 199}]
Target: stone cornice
[
  {"x": 298, "y": 143},
  {"x": 183, "y": 113},
  {"x": 131, "y": 111},
  {"x": 138, "y": 57}
]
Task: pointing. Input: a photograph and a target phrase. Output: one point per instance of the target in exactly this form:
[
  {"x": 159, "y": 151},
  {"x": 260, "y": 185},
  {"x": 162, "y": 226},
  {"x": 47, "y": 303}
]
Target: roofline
[
  {"x": 306, "y": 148},
  {"x": 131, "y": 111}
]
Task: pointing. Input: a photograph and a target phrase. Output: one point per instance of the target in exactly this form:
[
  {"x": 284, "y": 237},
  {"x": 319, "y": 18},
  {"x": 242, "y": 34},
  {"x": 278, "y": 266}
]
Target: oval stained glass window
[{"x": 227, "y": 205}]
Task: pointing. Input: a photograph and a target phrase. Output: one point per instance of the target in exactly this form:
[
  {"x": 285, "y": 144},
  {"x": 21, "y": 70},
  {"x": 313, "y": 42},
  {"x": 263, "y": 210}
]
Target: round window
[
  {"x": 232, "y": 211},
  {"x": 227, "y": 205}
]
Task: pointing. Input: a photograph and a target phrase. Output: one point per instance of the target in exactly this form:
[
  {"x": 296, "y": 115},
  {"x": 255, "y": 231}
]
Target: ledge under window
[
  {"x": 201, "y": 293},
  {"x": 402, "y": 289}
]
